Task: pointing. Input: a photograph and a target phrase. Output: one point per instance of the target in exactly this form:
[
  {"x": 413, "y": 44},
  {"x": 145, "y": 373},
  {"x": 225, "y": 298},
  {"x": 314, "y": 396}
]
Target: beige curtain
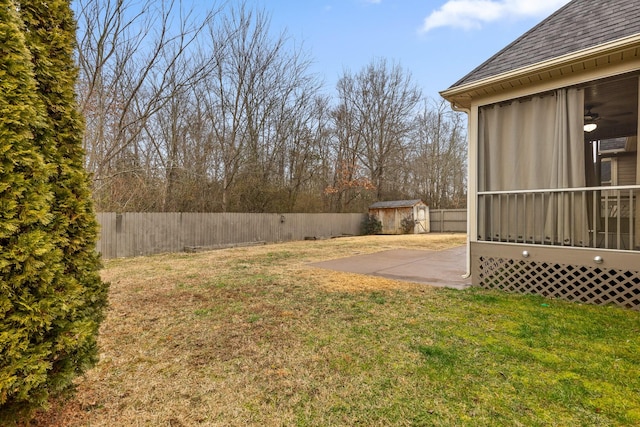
[
  {"x": 530, "y": 144},
  {"x": 636, "y": 243}
]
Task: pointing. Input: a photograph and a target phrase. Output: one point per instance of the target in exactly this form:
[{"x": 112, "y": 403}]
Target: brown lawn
[{"x": 222, "y": 337}]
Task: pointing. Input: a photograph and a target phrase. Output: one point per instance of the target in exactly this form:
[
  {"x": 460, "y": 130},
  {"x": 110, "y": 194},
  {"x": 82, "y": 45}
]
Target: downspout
[{"x": 467, "y": 111}]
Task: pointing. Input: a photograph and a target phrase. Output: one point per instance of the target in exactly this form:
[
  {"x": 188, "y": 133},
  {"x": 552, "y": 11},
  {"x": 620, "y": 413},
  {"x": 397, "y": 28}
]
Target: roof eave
[{"x": 461, "y": 96}]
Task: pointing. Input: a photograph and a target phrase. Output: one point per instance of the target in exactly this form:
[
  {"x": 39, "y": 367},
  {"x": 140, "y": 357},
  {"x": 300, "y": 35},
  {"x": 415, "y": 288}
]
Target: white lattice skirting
[{"x": 579, "y": 283}]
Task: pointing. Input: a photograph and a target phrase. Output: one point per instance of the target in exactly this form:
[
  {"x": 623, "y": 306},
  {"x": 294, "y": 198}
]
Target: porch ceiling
[{"x": 615, "y": 100}]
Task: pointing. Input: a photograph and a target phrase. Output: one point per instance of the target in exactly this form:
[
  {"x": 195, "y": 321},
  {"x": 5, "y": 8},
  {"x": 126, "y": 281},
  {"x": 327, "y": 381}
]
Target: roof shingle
[
  {"x": 578, "y": 25},
  {"x": 395, "y": 204}
]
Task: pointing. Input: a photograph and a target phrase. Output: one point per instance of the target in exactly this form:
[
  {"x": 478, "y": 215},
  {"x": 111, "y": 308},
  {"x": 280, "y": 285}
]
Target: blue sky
[{"x": 437, "y": 41}]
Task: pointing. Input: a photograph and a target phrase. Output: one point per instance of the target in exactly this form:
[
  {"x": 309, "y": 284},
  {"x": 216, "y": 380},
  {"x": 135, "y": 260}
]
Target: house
[
  {"x": 402, "y": 216},
  {"x": 554, "y": 171}
]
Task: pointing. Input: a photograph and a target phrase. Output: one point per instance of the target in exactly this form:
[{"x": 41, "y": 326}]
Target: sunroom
[{"x": 554, "y": 170}]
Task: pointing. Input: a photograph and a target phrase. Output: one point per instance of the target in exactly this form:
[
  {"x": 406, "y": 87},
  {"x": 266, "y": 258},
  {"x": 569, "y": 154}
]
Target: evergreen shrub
[
  {"x": 51, "y": 296},
  {"x": 407, "y": 224},
  {"x": 371, "y": 225}
]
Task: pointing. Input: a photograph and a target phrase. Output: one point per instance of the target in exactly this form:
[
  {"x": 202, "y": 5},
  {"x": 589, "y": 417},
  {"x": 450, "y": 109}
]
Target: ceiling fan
[
  {"x": 590, "y": 120},
  {"x": 591, "y": 117}
]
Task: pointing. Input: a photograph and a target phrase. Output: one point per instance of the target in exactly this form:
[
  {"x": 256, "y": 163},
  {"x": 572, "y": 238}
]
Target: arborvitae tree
[
  {"x": 29, "y": 260},
  {"x": 50, "y": 27},
  {"x": 71, "y": 308}
]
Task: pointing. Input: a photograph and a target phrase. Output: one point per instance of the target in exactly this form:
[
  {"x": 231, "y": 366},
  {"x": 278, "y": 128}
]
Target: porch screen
[{"x": 535, "y": 143}]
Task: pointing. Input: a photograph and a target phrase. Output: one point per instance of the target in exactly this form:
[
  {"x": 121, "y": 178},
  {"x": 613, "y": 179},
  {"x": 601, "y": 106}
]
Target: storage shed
[{"x": 402, "y": 216}]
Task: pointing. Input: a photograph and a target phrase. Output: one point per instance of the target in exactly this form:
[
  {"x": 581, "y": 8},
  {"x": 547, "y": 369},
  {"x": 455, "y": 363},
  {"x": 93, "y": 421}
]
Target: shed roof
[
  {"x": 396, "y": 204},
  {"x": 579, "y": 25}
]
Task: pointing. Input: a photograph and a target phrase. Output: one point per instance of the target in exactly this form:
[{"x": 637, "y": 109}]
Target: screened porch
[{"x": 561, "y": 168}]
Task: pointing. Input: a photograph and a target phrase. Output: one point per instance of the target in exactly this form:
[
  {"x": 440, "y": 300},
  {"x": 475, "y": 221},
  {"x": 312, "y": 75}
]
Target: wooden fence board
[
  {"x": 146, "y": 233},
  {"x": 448, "y": 220},
  {"x": 135, "y": 233}
]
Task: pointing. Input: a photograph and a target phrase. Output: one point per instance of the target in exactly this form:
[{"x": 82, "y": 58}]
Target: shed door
[{"x": 421, "y": 220}]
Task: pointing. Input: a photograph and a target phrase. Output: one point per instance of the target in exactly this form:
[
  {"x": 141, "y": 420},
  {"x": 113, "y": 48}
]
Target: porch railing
[{"x": 598, "y": 217}]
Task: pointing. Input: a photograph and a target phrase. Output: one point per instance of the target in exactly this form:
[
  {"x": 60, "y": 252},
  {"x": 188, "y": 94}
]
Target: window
[{"x": 608, "y": 172}]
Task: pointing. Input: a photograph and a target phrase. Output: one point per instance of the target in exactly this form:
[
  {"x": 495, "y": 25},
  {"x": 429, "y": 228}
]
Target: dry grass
[{"x": 255, "y": 336}]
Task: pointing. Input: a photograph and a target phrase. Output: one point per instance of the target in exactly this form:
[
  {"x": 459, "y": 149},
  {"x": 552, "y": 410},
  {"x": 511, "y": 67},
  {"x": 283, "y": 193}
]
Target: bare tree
[
  {"x": 349, "y": 185},
  {"x": 379, "y": 103},
  {"x": 440, "y": 156},
  {"x": 258, "y": 99},
  {"x": 131, "y": 56}
]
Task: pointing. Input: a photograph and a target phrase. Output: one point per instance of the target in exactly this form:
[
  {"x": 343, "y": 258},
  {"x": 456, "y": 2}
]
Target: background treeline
[{"x": 211, "y": 112}]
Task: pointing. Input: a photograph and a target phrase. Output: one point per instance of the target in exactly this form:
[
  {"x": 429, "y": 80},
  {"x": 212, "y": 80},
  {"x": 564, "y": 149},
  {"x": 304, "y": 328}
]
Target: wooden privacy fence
[
  {"x": 448, "y": 220},
  {"x": 133, "y": 233}
]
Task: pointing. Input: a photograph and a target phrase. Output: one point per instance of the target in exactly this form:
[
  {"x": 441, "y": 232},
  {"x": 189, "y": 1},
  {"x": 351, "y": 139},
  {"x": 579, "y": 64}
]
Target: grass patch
[{"x": 255, "y": 336}]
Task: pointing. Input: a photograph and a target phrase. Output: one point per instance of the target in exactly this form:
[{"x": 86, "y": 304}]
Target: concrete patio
[{"x": 437, "y": 268}]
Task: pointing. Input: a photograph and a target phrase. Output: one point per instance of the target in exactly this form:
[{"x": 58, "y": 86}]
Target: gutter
[{"x": 467, "y": 111}]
